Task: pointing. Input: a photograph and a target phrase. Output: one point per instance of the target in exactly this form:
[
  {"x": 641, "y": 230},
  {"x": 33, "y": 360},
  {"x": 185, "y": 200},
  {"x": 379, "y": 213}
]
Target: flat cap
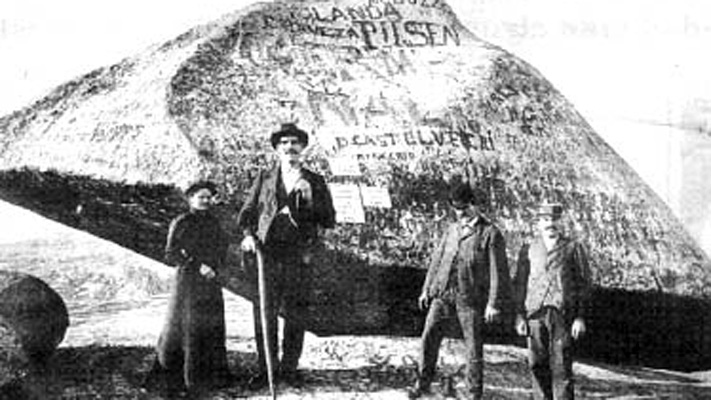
[{"x": 553, "y": 209}]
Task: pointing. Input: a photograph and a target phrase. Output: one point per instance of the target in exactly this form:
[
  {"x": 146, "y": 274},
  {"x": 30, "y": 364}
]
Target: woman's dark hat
[
  {"x": 289, "y": 129},
  {"x": 199, "y": 185}
]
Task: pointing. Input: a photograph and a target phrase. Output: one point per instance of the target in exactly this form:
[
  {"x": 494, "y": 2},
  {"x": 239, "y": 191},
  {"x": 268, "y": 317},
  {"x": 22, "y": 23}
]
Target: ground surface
[{"x": 117, "y": 300}]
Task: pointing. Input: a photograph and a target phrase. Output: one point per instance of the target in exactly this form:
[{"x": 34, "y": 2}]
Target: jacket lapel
[
  {"x": 271, "y": 180},
  {"x": 556, "y": 253},
  {"x": 466, "y": 232}
]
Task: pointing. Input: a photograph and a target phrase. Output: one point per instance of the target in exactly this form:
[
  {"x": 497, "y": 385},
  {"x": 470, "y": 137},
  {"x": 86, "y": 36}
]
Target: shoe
[
  {"x": 258, "y": 382},
  {"x": 448, "y": 385},
  {"x": 293, "y": 378},
  {"x": 178, "y": 392},
  {"x": 420, "y": 389},
  {"x": 223, "y": 380}
]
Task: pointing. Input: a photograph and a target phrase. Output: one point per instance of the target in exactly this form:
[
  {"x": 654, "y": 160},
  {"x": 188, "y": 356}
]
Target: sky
[{"x": 636, "y": 70}]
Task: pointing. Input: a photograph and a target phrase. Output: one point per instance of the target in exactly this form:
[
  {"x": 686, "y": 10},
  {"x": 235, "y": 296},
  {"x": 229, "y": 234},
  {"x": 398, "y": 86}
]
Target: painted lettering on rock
[
  {"x": 420, "y": 3},
  {"x": 370, "y": 26},
  {"x": 468, "y": 137}
]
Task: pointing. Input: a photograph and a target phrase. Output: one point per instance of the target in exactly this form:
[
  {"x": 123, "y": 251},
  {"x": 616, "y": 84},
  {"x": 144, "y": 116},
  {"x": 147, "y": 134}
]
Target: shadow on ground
[
  {"x": 618, "y": 381},
  {"x": 117, "y": 372}
]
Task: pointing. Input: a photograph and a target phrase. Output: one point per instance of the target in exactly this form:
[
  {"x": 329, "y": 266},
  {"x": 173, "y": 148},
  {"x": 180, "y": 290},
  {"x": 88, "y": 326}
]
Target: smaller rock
[
  {"x": 14, "y": 361},
  {"x": 34, "y": 312}
]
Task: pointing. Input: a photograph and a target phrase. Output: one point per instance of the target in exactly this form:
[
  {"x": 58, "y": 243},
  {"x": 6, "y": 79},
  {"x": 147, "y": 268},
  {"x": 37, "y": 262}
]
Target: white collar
[{"x": 289, "y": 170}]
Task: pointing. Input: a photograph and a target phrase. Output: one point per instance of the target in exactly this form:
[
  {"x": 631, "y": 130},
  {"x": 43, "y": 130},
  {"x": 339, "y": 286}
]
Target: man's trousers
[
  {"x": 471, "y": 321},
  {"x": 287, "y": 284},
  {"x": 550, "y": 355}
]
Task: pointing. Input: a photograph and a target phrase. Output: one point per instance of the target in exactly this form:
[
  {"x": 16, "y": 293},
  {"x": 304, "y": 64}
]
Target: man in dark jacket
[
  {"x": 282, "y": 214},
  {"x": 551, "y": 287},
  {"x": 467, "y": 280}
]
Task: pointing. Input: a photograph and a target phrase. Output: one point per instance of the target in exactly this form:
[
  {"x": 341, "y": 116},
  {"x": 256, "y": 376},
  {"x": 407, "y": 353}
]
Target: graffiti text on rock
[
  {"x": 108, "y": 133},
  {"x": 387, "y": 156},
  {"x": 361, "y": 13},
  {"x": 420, "y": 3},
  {"x": 423, "y": 137},
  {"x": 370, "y": 33}
]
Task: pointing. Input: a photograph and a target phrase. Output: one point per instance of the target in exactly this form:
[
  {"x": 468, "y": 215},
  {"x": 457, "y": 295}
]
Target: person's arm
[
  {"x": 581, "y": 281},
  {"x": 326, "y": 214},
  {"x": 248, "y": 216},
  {"x": 499, "y": 280},
  {"x": 581, "y": 287},
  {"x": 432, "y": 266},
  {"x": 313, "y": 203},
  {"x": 520, "y": 289},
  {"x": 175, "y": 253}
]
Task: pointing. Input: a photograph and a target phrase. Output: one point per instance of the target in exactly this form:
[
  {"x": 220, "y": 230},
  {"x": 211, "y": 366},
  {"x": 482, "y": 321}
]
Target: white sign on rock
[
  {"x": 348, "y": 203},
  {"x": 375, "y": 196}
]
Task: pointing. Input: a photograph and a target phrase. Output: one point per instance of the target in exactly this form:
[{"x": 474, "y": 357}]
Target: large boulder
[
  {"x": 399, "y": 98},
  {"x": 33, "y": 317}
]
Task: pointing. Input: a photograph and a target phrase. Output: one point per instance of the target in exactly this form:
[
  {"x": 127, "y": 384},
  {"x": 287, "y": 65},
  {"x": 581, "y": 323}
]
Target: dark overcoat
[
  {"x": 191, "y": 346},
  {"x": 478, "y": 257},
  {"x": 310, "y": 205}
]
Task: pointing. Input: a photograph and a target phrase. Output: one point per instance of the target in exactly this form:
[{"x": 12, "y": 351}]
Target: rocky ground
[
  {"x": 106, "y": 355},
  {"x": 117, "y": 299}
]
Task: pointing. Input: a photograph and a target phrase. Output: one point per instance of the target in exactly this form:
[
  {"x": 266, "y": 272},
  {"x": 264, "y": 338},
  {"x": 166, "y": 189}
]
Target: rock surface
[
  {"x": 33, "y": 316},
  {"x": 14, "y": 362},
  {"x": 399, "y": 88}
]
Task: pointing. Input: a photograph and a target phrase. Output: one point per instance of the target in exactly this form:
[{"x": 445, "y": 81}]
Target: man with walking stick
[{"x": 280, "y": 220}]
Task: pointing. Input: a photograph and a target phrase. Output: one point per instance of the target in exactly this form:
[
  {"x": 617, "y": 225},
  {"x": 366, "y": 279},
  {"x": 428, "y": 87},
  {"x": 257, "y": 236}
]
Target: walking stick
[{"x": 262, "y": 286}]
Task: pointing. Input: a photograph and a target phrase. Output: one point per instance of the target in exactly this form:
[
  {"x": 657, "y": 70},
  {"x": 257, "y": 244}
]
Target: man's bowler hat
[{"x": 289, "y": 129}]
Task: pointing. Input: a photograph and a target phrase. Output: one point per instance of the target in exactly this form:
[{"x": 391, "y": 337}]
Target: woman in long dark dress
[{"x": 191, "y": 352}]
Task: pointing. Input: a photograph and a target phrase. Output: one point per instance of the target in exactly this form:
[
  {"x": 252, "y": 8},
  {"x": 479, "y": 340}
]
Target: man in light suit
[
  {"x": 551, "y": 289},
  {"x": 282, "y": 213}
]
